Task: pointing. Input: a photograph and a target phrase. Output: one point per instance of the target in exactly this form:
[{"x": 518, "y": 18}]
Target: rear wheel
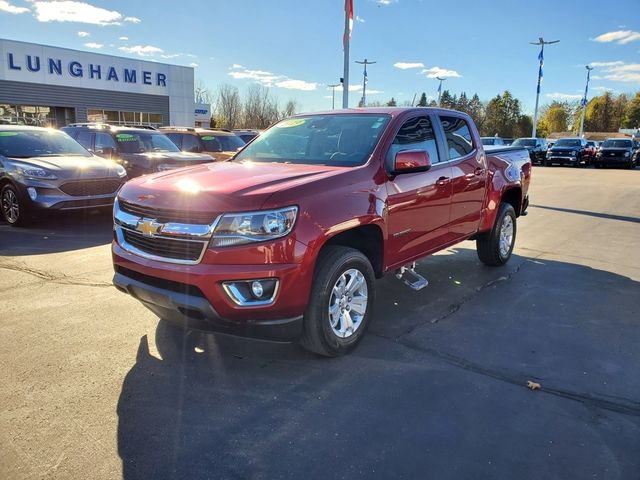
[
  {"x": 494, "y": 248},
  {"x": 13, "y": 207},
  {"x": 341, "y": 302}
]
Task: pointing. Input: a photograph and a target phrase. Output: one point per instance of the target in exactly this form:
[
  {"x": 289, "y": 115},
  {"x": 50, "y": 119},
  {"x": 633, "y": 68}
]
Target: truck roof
[{"x": 393, "y": 111}]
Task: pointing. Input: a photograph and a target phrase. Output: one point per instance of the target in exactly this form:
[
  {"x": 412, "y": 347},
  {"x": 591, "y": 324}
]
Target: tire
[
  {"x": 13, "y": 207},
  {"x": 338, "y": 265},
  {"x": 491, "y": 251}
]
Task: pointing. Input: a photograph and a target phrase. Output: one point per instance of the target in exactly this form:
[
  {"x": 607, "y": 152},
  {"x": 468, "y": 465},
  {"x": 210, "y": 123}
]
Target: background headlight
[
  {"x": 243, "y": 228},
  {"x": 573, "y": 154},
  {"x": 121, "y": 171},
  {"x": 626, "y": 154},
  {"x": 35, "y": 172}
]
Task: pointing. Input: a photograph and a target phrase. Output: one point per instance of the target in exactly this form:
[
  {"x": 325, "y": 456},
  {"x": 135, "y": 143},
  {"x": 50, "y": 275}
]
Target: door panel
[{"x": 418, "y": 212}]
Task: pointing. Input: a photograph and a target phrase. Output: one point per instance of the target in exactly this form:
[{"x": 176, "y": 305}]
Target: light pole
[
  {"x": 542, "y": 43},
  {"x": 333, "y": 95},
  {"x": 584, "y": 101},
  {"x": 364, "y": 79},
  {"x": 442, "y": 79}
]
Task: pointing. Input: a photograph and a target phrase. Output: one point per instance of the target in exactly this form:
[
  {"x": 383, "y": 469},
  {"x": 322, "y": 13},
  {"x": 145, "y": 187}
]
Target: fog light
[
  {"x": 256, "y": 289},
  {"x": 33, "y": 194},
  {"x": 247, "y": 293}
]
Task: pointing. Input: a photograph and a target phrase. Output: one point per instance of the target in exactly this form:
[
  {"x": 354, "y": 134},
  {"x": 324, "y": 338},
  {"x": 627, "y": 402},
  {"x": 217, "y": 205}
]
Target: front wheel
[
  {"x": 13, "y": 207},
  {"x": 341, "y": 302},
  {"x": 494, "y": 248}
]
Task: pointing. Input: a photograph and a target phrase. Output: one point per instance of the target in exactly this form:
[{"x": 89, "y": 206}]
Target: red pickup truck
[{"x": 285, "y": 241}]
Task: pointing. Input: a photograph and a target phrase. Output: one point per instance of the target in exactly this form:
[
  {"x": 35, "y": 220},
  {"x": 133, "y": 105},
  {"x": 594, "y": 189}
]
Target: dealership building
[{"x": 43, "y": 85}]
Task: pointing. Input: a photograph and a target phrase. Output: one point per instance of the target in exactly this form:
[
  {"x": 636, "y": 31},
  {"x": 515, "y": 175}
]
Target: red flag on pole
[{"x": 348, "y": 8}]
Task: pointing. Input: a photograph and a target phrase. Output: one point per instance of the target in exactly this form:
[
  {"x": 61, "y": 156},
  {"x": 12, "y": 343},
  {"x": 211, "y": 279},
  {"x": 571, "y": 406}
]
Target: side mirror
[
  {"x": 411, "y": 161},
  {"x": 106, "y": 152}
]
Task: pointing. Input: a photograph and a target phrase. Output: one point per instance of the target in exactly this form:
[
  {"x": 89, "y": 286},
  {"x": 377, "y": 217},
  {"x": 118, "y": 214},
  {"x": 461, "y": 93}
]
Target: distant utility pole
[
  {"x": 542, "y": 43},
  {"x": 364, "y": 79},
  {"x": 442, "y": 79},
  {"x": 584, "y": 101},
  {"x": 333, "y": 95}
]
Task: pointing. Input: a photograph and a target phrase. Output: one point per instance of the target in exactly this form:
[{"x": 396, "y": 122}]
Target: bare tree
[
  {"x": 228, "y": 106},
  {"x": 260, "y": 109},
  {"x": 202, "y": 93},
  {"x": 290, "y": 108}
]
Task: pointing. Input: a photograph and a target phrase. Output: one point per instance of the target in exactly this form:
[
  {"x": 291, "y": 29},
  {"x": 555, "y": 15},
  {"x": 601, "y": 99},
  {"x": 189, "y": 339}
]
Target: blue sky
[{"x": 295, "y": 46}]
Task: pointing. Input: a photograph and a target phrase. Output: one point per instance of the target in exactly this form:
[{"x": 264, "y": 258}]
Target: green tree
[
  {"x": 524, "y": 126},
  {"x": 423, "y": 100},
  {"x": 555, "y": 117},
  {"x": 446, "y": 100},
  {"x": 632, "y": 113},
  {"x": 502, "y": 115},
  {"x": 599, "y": 112}
]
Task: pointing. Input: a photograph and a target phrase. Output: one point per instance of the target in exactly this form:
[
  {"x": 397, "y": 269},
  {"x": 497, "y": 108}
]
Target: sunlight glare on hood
[{"x": 188, "y": 185}]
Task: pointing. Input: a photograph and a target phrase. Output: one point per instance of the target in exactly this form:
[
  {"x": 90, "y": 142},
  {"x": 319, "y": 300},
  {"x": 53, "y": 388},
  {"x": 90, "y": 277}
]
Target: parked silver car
[{"x": 44, "y": 169}]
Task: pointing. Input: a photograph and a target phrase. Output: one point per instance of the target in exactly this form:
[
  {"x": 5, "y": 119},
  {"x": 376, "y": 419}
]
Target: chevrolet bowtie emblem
[{"x": 148, "y": 227}]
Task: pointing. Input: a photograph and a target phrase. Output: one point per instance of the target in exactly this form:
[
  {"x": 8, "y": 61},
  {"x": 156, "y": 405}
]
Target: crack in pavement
[
  {"x": 53, "y": 278},
  {"x": 622, "y": 405}
]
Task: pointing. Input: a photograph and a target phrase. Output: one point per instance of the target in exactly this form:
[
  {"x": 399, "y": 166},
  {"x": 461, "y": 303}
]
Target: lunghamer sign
[{"x": 74, "y": 68}]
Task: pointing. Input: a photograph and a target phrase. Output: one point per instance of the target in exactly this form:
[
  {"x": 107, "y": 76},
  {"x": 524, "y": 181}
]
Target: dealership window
[
  {"x": 117, "y": 117},
  {"x": 37, "y": 115}
]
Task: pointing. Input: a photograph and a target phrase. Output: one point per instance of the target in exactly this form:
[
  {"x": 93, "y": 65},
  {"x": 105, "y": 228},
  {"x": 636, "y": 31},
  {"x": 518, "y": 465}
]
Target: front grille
[
  {"x": 562, "y": 153},
  {"x": 86, "y": 203},
  {"x": 164, "y": 215},
  {"x": 165, "y": 247},
  {"x": 85, "y": 188}
]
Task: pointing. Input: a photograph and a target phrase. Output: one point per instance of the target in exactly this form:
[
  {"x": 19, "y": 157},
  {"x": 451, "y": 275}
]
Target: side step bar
[{"x": 411, "y": 278}]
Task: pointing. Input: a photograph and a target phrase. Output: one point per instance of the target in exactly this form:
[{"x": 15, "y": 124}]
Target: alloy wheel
[{"x": 348, "y": 303}]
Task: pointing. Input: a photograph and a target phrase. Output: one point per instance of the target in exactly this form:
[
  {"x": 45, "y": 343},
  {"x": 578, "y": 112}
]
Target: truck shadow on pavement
[
  {"x": 57, "y": 232},
  {"x": 437, "y": 388}
]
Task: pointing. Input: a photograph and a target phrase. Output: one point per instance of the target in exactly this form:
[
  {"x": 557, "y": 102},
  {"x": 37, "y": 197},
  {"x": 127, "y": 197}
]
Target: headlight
[
  {"x": 626, "y": 154},
  {"x": 599, "y": 154},
  {"x": 549, "y": 153},
  {"x": 243, "y": 228},
  {"x": 121, "y": 171},
  {"x": 573, "y": 154},
  {"x": 35, "y": 172}
]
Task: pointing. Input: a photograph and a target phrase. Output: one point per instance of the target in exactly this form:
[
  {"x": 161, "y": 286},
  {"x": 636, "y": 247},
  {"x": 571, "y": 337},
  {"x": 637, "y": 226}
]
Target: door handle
[
  {"x": 479, "y": 171},
  {"x": 442, "y": 181}
]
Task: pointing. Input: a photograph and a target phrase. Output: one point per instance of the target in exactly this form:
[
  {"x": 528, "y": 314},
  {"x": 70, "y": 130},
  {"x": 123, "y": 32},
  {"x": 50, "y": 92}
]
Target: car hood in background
[{"x": 73, "y": 167}]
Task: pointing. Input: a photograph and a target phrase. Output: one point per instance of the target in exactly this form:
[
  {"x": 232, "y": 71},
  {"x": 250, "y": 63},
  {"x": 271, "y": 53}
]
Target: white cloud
[
  {"x": 93, "y": 45},
  {"x": 358, "y": 88},
  {"x": 407, "y": 65},
  {"x": 360, "y": 19},
  {"x": 132, "y": 19},
  {"x": 434, "y": 72},
  {"x": 385, "y": 2},
  {"x": 8, "y": 8},
  {"x": 84, "y": 34},
  {"x": 620, "y": 36},
  {"x": 603, "y": 89},
  {"x": 564, "y": 96},
  {"x": 142, "y": 50},
  {"x": 297, "y": 85},
  {"x": 269, "y": 79},
  {"x": 123, "y": 38},
  {"x": 72, "y": 11},
  {"x": 606, "y": 64},
  {"x": 193, "y": 64},
  {"x": 618, "y": 71}
]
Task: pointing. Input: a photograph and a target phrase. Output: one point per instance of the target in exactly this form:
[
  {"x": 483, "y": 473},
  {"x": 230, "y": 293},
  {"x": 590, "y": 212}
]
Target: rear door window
[
  {"x": 415, "y": 134},
  {"x": 190, "y": 143},
  {"x": 85, "y": 138},
  {"x": 104, "y": 140},
  {"x": 176, "y": 138},
  {"x": 458, "y": 136}
]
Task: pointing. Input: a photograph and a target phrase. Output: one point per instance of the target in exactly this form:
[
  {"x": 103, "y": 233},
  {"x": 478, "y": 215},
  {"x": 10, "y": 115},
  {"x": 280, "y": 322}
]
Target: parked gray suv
[{"x": 44, "y": 169}]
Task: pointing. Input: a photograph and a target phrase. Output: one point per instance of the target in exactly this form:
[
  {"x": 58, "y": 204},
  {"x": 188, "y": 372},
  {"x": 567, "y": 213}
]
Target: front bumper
[
  {"x": 562, "y": 160},
  {"x": 188, "y": 308},
  {"x": 617, "y": 160},
  {"x": 50, "y": 197}
]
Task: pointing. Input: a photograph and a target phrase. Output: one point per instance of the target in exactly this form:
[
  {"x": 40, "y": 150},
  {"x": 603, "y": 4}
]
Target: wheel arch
[{"x": 367, "y": 239}]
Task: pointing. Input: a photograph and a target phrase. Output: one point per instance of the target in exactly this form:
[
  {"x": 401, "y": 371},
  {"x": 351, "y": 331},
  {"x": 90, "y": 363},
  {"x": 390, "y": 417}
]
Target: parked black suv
[
  {"x": 568, "y": 151},
  {"x": 140, "y": 150},
  {"x": 537, "y": 148},
  {"x": 617, "y": 152}
]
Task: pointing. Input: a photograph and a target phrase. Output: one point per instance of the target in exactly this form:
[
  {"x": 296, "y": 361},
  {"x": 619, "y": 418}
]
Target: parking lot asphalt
[{"x": 93, "y": 386}]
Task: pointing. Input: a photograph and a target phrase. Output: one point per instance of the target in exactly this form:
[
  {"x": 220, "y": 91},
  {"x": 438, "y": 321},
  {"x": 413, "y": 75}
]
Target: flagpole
[
  {"x": 542, "y": 43},
  {"x": 346, "y": 43},
  {"x": 584, "y": 101}
]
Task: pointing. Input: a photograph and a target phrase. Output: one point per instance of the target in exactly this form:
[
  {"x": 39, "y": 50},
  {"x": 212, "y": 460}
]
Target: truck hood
[
  {"x": 72, "y": 167},
  {"x": 564, "y": 149},
  {"x": 221, "y": 187},
  {"x": 172, "y": 157}
]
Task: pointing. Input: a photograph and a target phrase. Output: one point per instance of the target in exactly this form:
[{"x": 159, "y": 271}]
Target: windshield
[
  {"x": 39, "y": 143},
  {"x": 338, "y": 140},
  {"x": 222, "y": 143},
  {"x": 567, "y": 142},
  {"x": 142, "y": 142},
  {"x": 616, "y": 144},
  {"x": 488, "y": 141},
  {"x": 525, "y": 142}
]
